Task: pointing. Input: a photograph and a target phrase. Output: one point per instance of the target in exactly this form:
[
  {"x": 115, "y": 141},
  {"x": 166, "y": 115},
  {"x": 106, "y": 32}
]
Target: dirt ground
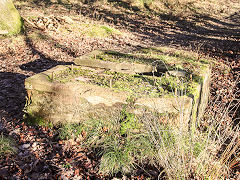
[{"x": 41, "y": 155}]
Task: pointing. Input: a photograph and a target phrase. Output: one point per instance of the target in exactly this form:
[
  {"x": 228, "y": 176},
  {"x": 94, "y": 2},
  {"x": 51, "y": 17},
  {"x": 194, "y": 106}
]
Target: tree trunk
[{"x": 10, "y": 20}]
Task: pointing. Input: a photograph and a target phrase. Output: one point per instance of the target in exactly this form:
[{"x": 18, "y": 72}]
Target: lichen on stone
[{"x": 10, "y": 20}]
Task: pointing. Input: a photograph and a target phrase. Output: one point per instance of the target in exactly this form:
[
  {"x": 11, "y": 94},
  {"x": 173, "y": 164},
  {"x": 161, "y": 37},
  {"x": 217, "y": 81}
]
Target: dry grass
[
  {"x": 127, "y": 141},
  {"x": 208, "y": 152}
]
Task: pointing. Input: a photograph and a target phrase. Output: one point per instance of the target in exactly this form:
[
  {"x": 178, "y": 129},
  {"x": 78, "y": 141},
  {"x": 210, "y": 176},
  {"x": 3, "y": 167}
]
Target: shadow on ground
[
  {"x": 200, "y": 32},
  {"x": 12, "y": 93}
]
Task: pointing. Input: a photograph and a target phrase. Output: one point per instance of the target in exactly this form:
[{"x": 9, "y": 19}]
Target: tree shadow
[
  {"x": 215, "y": 36},
  {"x": 235, "y": 17},
  {"x": 12, "y": 93},
  {"x": 44, "y": 62}
]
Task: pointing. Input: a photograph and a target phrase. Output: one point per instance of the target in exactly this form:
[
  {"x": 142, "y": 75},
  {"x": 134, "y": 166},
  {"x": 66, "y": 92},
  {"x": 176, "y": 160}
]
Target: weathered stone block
[{"x": 75, "y": 93}]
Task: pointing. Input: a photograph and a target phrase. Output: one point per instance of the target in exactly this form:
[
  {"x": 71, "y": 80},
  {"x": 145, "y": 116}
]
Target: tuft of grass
[
  {"x": 92, "y": 29},
  {"x": 6, "y": 145},
  {"x": 70, "y": 131},
  {"x": 128, "y": 141},
  {"x": 103, "y": 31},
  {"x": 36, "y": 119}
]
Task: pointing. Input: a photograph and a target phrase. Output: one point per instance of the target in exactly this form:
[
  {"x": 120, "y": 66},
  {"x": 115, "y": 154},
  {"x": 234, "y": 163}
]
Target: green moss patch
[
  {"x": 178, "y": 58},
  {"x": 114, "y": 56},
  {"x": 97, "y": 30},
  {"x": 36, "y": 119},
  {"x": 139, "y": 85},
  {"x": 164, "y": 59}
]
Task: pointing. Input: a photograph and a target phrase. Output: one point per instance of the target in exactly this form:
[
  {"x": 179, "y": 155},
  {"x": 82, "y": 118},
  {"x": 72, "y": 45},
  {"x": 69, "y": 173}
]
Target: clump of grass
[
  {"x": 122, "y": 145},
  {"x": 128, "y": 141},
  {"x": 118, "y": 141},
  {"x": 6, "y": 145},
  {"x": 179, "y": 152},
  {"x": 36, "y": 119},
  {"x": 93, "y": 29},
  {"x": 103, "y": 31},
  {"x": 70, "y": 131}
]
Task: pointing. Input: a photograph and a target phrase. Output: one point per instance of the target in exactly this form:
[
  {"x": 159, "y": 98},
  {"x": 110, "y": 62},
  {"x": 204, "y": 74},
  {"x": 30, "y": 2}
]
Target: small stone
[
  {"x": 179, "y": 73},
  {"x": 4, "y": 172},
  {"x": 68, "y": 19},
  {"x": 25, "y": 146},
  {"x": 34, "y": 146},
  {"x": 16, "y": 131}
]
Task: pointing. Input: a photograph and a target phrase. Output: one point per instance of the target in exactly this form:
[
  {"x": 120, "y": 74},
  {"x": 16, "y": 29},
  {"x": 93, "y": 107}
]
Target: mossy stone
[
  {"x": 10, "y": 20},
  {"x": 101, "y": 86}
]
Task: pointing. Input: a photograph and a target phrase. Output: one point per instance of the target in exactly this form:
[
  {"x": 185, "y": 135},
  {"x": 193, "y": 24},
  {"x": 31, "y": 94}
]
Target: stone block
[{"x": 75, "y": 93}]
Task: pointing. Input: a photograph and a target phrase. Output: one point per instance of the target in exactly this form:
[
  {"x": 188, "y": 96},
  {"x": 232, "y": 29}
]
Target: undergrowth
[{"x": 129, "y": 141}]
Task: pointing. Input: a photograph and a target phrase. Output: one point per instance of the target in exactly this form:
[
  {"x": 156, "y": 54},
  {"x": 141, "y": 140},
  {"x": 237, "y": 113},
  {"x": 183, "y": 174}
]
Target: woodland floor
[{"x": 40, "y": 154}]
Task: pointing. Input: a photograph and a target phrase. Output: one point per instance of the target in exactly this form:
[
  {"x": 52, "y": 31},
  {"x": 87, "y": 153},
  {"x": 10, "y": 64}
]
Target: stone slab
[
  {"x": 75, "y": 102},
  {"x": 91, "y": 60}
]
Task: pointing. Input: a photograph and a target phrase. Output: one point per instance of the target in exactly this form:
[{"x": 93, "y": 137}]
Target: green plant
[
  {"x": 36, "y": 119},
  {"x": 69, "y": 131},
  {"x": 6, "y": 145},
  {"x": 116, "y": 156},
  {"x": 129, "y": 122},
  {"x": 123, "y": 152},
  {"x": 67, "y": 165}
]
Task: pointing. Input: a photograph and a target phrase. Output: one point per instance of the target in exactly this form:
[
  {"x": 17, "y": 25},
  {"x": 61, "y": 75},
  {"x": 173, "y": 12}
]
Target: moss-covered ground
[{"x": 7, "y": 145}]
